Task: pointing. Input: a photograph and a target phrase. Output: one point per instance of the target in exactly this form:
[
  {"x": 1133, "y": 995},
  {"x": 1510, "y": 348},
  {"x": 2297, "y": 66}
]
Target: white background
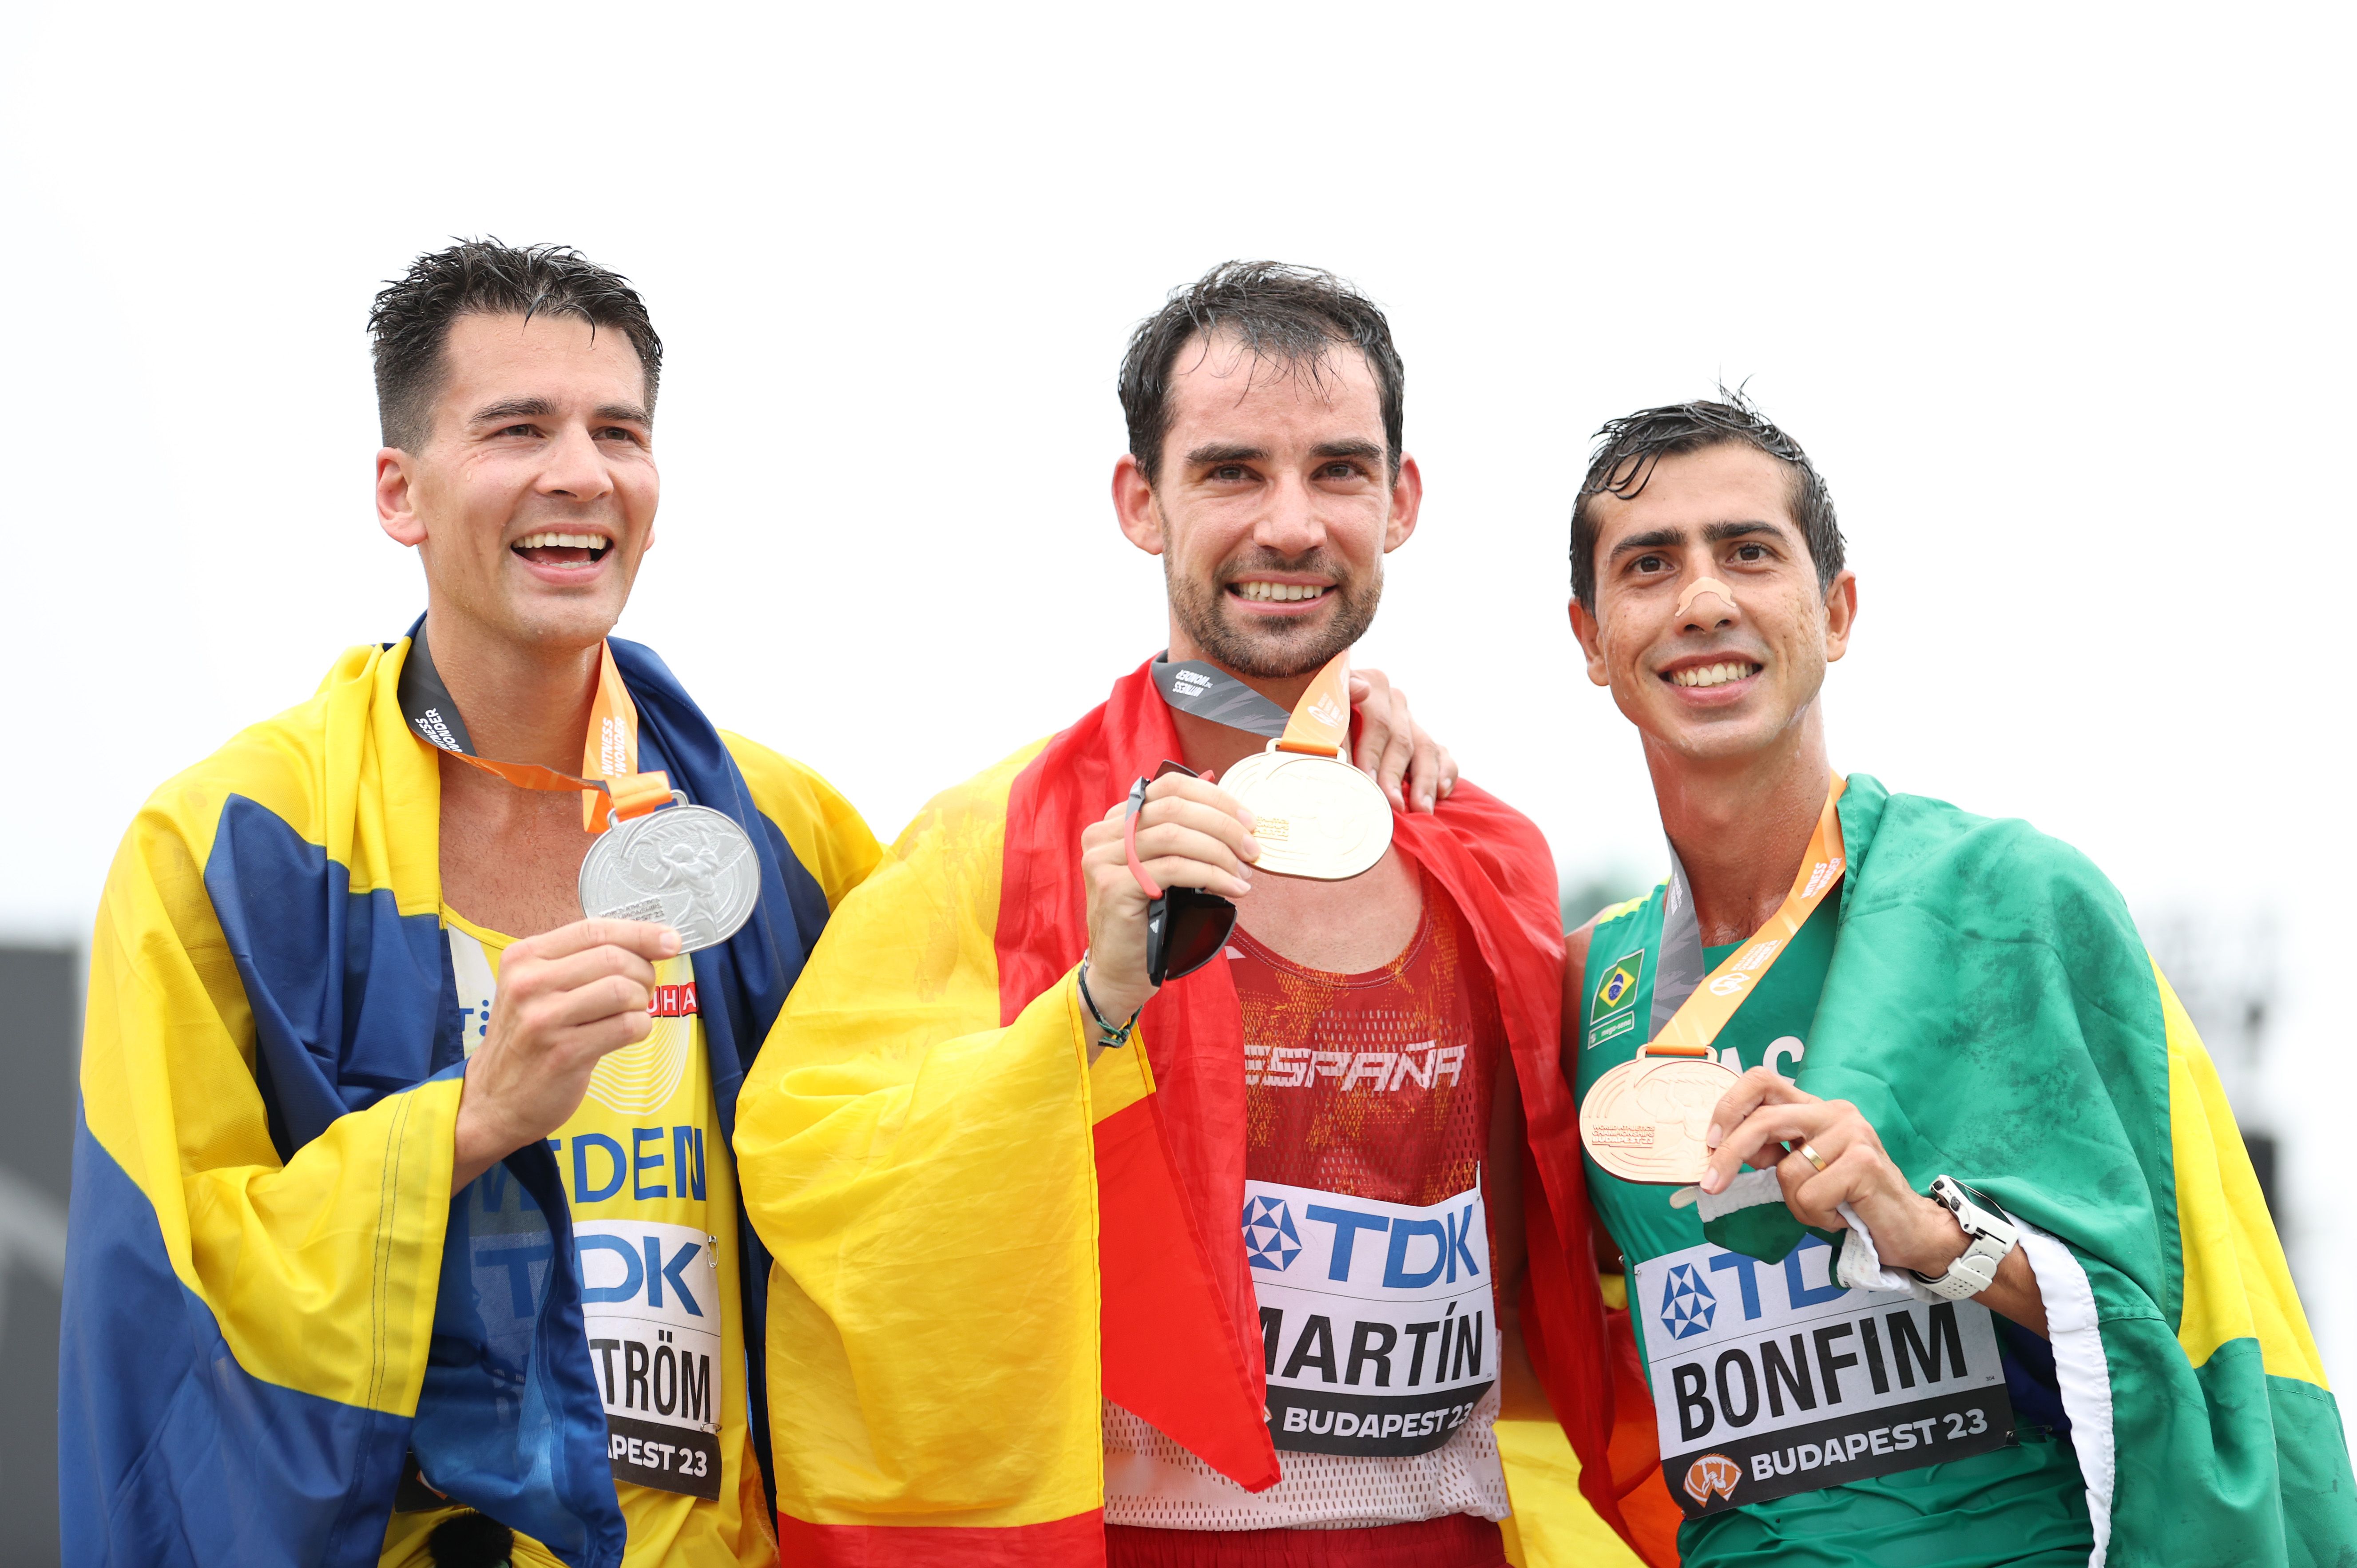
[{"x": 2057, "y": 297}]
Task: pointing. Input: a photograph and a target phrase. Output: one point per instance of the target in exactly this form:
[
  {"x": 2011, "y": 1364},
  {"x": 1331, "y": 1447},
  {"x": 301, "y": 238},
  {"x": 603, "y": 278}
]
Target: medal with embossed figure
[
  {"x": 1648, "y": 1119},
  {"x": 688, "y": 867},
  {"x": 1315, "y": 815}
]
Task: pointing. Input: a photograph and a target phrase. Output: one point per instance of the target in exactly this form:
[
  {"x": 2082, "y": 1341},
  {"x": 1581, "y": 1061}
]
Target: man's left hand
[
  {"x": 1765, "y": 1110},
  {"x": 1415, "y": 771}
]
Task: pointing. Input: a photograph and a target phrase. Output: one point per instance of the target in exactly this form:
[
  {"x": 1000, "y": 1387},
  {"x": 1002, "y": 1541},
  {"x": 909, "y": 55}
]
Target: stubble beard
[{"x": 1274, "y": 650}]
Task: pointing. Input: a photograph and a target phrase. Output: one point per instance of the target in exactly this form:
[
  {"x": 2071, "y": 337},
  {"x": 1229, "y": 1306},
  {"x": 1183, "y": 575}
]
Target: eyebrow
[
  {"x": 1233, "y": 451},
  {"x": 541, "y": 408},
  {"x": 1712, "y": 533}
]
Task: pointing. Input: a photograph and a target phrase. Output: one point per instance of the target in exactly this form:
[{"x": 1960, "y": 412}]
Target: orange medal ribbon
[
  {"x": 1321, "y": 719},
  {"x": 610, "y": 753},
  {"x": 1696, "y": 1023}
]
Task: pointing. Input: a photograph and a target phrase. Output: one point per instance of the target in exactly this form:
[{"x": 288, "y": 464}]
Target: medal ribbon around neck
[
  {"x": 1319, "y": 724},
  {"x": 1315, "y": 815},
  {"x": 1702, "y": 1009},
  {"x": 609, "y": 752},
  {"x": 1645, "y": 1120}
]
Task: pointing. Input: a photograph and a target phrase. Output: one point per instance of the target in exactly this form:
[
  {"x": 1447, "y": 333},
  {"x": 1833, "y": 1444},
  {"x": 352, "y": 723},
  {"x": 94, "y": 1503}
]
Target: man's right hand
[
  {"x": 566, "y": 998},
  {"x": 1189, "y": 835}
]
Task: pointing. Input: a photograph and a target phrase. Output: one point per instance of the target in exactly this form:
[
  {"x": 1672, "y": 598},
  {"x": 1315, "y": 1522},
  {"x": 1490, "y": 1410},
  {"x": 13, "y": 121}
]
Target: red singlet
[{"x": 1378, "y": 1086}]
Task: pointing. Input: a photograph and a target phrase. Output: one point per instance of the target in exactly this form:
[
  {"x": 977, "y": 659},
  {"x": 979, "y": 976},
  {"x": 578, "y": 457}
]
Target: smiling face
[
  {"x": 1718, "y": 670},
  {"x": 1273, "y": 509},
  {"x": 532, "y": 498}
]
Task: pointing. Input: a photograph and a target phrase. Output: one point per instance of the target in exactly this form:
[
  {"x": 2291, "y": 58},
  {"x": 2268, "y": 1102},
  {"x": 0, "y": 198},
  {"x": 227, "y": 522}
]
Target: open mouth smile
[
  {"x": 1262, "y": 591},
  {"x": 573, "y": 549},
  {"x": 1724, "y": 673}
]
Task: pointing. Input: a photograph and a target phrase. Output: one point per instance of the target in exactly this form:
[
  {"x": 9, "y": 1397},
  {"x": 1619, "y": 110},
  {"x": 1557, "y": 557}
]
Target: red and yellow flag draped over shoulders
[{"x": 979, "y": 1236}]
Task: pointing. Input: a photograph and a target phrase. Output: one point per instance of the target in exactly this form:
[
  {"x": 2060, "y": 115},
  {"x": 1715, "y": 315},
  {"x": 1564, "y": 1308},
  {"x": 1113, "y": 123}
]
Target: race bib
[
  {"x": 1770, "y": 1379},
  {"x": 650, "y": 1301},
  {"x": 1377, "y": 1319}
]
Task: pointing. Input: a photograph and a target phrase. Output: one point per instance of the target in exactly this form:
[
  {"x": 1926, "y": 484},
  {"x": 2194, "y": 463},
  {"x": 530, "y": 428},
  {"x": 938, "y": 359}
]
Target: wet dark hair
[
  {"x": 410, "y": 321},
  {"x": 1628, "y": 448},
  {"x": 1283, "y": 315}
]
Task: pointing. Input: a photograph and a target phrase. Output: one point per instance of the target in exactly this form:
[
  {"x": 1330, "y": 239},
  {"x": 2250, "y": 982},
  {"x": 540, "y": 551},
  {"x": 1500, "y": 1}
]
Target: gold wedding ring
[{"x": 1808, "y": 1151}]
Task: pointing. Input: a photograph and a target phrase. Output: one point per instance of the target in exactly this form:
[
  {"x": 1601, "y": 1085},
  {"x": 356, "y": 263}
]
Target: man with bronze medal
[
  {"x": 1938, "y": 1241},
  {"x": 404, "y": 1225},
  {"x": 1144, "y": 1153}
]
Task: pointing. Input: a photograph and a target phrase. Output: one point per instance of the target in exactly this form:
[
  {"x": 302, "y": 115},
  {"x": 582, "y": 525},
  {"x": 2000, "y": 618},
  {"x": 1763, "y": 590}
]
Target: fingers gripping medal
[
  {"x": 1316, "y": 815},
  {"x": 688, "y": 867},
  {"x": 1648, "y": 1119}
]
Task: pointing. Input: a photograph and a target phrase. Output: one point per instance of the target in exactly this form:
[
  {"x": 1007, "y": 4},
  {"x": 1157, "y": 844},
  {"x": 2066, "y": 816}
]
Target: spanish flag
[
  {"x": 271, "y": 1296},
  {"x": 979, "y": 1236}
]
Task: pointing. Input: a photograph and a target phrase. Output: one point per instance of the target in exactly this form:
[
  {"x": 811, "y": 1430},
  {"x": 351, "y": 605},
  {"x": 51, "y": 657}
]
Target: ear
[
  {"x": 1133, "y": 504},
  {"x": 1841, "y": 615},
  {"x": 1590, "y": 632},
  {"x": 396, "y": 511},
  {"x": 1408, "y": 501}
]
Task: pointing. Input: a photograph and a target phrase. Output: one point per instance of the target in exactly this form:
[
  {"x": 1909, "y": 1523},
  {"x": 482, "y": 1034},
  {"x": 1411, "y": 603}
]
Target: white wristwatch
[{"x": 1989, "y": 1236}]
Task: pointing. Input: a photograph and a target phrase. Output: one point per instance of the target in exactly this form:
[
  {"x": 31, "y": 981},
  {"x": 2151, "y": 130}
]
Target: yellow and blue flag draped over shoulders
[
  {"x": 1990, "y": 1009},
  {"x": 271, "y": 1296}
]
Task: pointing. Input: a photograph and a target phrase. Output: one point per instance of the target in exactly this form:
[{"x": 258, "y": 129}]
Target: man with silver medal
[{"x": 554, "y": 910}]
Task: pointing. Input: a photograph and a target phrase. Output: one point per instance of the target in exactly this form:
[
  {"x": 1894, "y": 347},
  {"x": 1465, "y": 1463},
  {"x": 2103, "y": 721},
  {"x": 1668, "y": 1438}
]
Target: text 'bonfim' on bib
[
  {"x": 1772, "y": 1378},
  {"x": 650, "y": 1303},
  {"x": 1377, "y": 1319}
]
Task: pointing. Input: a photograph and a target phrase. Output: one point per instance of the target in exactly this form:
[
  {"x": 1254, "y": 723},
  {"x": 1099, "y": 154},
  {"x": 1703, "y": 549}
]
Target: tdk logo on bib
[
  {"x": 1776, "y": 1378},
  {"x": 1375, "y": 1319},
  {"x": 651, "y": 1305},
  {"x": 1687, "y": 1303},
  {"x": 1270, "y": 1239}
]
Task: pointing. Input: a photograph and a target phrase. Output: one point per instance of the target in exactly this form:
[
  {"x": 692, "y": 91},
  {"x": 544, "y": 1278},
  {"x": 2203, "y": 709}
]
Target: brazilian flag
[{"x": 1992, "y": 1011}]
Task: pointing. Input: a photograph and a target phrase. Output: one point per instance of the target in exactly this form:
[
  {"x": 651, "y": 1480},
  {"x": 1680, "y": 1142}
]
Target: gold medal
[
  {"x": 1646, "y": 1120},
  {"x": 1315, "y": 816}
]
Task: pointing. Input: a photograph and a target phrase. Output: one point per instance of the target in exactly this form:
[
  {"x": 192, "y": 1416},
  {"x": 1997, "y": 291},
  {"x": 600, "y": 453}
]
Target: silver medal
[
  {"x": 1317, "y": 816},
  {"x": 688, "y": 867}
]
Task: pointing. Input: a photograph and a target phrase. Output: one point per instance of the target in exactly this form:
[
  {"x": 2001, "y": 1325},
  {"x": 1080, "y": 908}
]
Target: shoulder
[
  {"x": 1932, "y": 856},
  {"x": 1919, "y": 833},
  {"x": 825, "y": 831},
  {"x": 1509, "y": 844},
  {"x": 968, "y": 815},
  {"x": 278, "y": 766}
]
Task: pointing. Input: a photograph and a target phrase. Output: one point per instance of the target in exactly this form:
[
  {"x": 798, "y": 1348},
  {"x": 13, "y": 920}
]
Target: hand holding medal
[
  {"x": 1649, "y": 1119},
  {"x": 1314, "y": 815}
]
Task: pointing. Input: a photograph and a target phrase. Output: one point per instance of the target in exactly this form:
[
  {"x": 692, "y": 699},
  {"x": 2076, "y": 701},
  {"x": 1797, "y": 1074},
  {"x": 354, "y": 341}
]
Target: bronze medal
[{"x": 1645, "y": 1121}]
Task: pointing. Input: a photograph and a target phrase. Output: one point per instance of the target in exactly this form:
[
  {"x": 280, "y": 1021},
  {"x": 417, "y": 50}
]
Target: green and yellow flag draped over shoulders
[
  {"x": 980, "y": 1236},
  {"x": 1991, "y": 1010},
  {"x": 270, "y": 1296}
]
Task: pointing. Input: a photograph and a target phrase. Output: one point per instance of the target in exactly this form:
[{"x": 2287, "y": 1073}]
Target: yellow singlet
[{"x": 653, "y": 1199}]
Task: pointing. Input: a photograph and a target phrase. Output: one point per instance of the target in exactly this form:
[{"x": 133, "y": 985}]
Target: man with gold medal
[
  {"x": 1144, "y": 1152},
  {"x": 405, "y": 1227},
  {"x": 1940, "y": 1244}
]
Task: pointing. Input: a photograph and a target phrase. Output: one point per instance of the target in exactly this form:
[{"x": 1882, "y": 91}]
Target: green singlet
[{"x": 2024, "y": 1503}]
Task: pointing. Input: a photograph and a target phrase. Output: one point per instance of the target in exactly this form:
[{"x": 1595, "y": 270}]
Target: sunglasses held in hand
[{"x": 1185, "y": 926}]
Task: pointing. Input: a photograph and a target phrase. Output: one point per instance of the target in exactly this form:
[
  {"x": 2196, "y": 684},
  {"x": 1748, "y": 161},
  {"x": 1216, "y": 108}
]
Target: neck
[
  {"x": 1741, "y": 825},
  {"x": 1212, "y": 748},
  {"x": 523, "y": 702}
]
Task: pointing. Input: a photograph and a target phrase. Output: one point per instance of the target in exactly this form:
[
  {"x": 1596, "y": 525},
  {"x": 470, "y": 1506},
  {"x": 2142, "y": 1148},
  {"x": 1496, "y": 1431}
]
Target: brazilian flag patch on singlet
[{"x": 1613, "y": 1015}]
